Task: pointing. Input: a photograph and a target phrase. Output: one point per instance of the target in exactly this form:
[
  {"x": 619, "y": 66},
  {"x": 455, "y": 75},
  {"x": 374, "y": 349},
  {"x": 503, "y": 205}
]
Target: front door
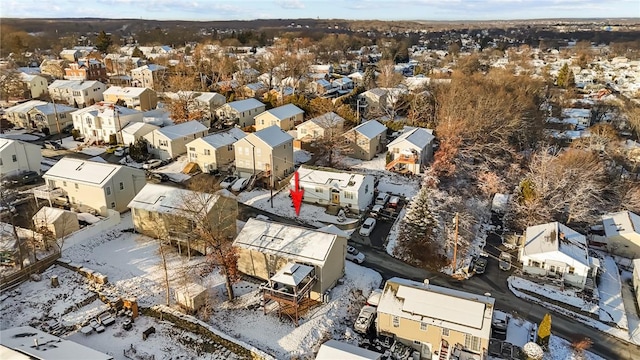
[{"x": 335, "y": 197}]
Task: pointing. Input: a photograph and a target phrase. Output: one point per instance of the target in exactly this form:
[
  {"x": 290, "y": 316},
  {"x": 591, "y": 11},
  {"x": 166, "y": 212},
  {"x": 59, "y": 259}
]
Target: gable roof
[
  {"x": 419, "y": 137},
  {"x": 223, "y": 138},
  {"x": 291, "y": 242},
  {"x": 83, "y": 171},
  {"x": 171, "y": 200},
  {"x": 621, "y": 223},
  {"x": 273, "y": 136},
  {"x": 76, "y": 85},
  {"x": 553, "y": 239},
  {"x": 184, "y": 129},
  {"x": 7, "y": 143},
  {"x": 139, "y": 128},
  {"x": 335, "y": 179},
  {"x": 244, "y": 105},
  {"x": 370, "y": 129},
  {"x": 42, "y": 106},
  {"x": 124, "y": 91},
  {"x": 49, "y": 215},
  {"x": 327, "y": 120},
  {"x": 284, "y": 111}
]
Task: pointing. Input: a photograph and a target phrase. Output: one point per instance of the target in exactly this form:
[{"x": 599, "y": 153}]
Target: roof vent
[{"x": 425, "y": 282}]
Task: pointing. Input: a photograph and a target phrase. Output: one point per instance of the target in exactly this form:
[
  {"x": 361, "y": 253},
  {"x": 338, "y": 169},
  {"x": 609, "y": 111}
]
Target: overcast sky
[{"x": 324, "y": 9}]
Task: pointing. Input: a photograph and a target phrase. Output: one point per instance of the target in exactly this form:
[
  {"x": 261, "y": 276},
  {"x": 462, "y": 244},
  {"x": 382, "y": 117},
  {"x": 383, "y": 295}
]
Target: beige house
[
  {"x": 265, "y": 247},
  {"x": 161, "y": 211},
  {"x": 35, "y": 85},
  {"x": 325, "y": 126},
  {"x": 138, "y": 98},
  {"x": 622, "y": 230},
  {"x": 104, "y": 121},
  {"x": 18, "y": 156},
  {"x": 285, "y": 117},
  {"x": 411, "y": 151},
  {"x": 240, "y": 112},
  {"x": 149, "y": 76},
  {"x": 366, "y": 140},
  {"x": 170, "y": 141},
  {"x": 59, "y": 222},
  {"x": 91, "y": 185},
  {"x": 41, "y": 116},
  {"x": 77, "y": 93},
  {"x": 214, "y": 151},
  {"x": 137, "y": 130},
  {"x": 439, "y": 322},
  {"x": 636, "y": 280},
  {"x": 262, "y": 151}
]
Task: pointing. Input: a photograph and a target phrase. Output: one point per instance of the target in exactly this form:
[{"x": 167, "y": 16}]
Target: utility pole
[
  {"x": 455, "y": 245},
  {"x": 55, "y": 111},
  {"x": 272, "y": 182}
]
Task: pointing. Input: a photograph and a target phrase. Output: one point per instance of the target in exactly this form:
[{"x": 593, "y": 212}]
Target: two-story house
[
  {"x": 170, "y": 141},
  {"x": 208, "y": 102},
  {"x": 411, "y": 151},
  {"x": 104, "y": 121},
  {"x": 135, "y": 131},
  {"x": 151, "y": 76},
  {"x": 92, "y": 185},
  {"x": 326, "y": 126},
  {"x": 86, "y": 69},
  {"x": 77, "y": 93},
  {"x": 41, "y": 116},
  {"x": 329, "y": 186},
  {"x": 139, "y": 98},
  {"x": 436, "y": 321},
  {"x": 622, "y": 230},
  {"x": 18, "y": 156},
  {"x": 268, "y": 152},
  {"x": 366, "y": 140},
  {"x": 215, "y": 151},
  {"x": 35, "y": 85},
  {"x": 286, "y": 117},
  {"x": 240, "y": 112}
]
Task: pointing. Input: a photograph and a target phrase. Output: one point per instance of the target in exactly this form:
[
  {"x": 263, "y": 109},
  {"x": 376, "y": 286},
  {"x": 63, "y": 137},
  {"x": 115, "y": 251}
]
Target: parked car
[
  {"x": 505, "y": 261},
  {"x": 367, "y": 226},
  {"x": 354, "y": 255},
  {"x": 151, "y": 164},
  {"x": 376, "y": 210},
  {"x": 365, "y": 319},
  {"x": 119, "y": 152},
  {"x": 67, "y": 129},
  {"x": 53, "y": 145},
  {"x": 240, "y": 184},
  {"x": 28, "y": 177},
  {"x": 382, "y": 199},
  {"x": 393, "y": 202},
  {"x": 228, "y": 181},
  {"x": 480, "y": 265},
  {"x": 157, "y": 177},
  {"x": 374, "y": 298},
  {"x": 111, "y": 149}
]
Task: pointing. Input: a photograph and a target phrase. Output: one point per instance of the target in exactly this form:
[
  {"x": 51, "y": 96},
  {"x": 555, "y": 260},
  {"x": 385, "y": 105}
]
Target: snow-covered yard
[
  {"x": 567, "y": 296},
  {"x": 70, "y": 144},
  {"x": 609, "y": 287},
  {"x": 174, "y": 169},
  {"x": 23, "y": 135}
]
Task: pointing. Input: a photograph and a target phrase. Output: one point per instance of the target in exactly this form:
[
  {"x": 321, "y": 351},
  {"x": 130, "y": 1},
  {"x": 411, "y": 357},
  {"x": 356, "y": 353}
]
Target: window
[
  {"x": 396, "y": 150},
  {"x": 192, "y": 149},
  {"x": 108, "y": 190},
  {"x": 14, "y": 158},
  {"x": 76, "y": 185},
  {"x": 396, "y": 321},
  {"x": 319, "y": 190},
  {"x": 445, "y": 332},
  {"x": 64, "y": 183},
  {"x": 571, "y": 270},
  {"x": 163, "y": 143},
  {"x": 230, "y": 147},
  {"x": 366, "y": 189},
  {"x": 113, "y": 205},
  {"x": 261, "y": 121},
  {"x": 121, "y": 186},
  {"x": 303, "y": 131},
  {"x": 423, "y": 326},
  {"x": 258, "y": 152},
  {"x": 348, "y": 195},
  {"x": 472, "y": 342},
  {"x": 417, "y": 342},
  {"x": 207, "y": 152}
]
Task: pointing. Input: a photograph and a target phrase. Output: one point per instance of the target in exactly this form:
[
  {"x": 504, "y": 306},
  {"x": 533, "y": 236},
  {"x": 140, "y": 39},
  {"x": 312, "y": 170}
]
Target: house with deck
[
  {"x": 411, "y": 151},
  {"x": 150, "y": 76},
  {"x": 42, "y": 116},
  {"x": 622, "y": 232},
  {"x": 215, "y": 151},
  {"x": 241, "y": 112},
  {"x": 266, "y": 155}
]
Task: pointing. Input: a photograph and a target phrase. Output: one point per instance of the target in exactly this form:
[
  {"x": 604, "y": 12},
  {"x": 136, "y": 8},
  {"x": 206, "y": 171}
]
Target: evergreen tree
[
  {"x": 544, "y": 331},
  {"x": 138, "y": 53},
  {"x": 139, "y": 151},
  {"x": 566, "y": 78},
  {"x": 103, "y": 41}
]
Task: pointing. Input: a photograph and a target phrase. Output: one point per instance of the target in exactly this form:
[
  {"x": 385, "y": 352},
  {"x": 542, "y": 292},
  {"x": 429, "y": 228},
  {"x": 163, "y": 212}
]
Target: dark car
[
  {"x": 53, "y": 145},
  {"x": 480, "y": 265},
  {"x": 67, "y": 129},
  {"x": 24, "y": 178},
  {"x": 157, "y": 177}
]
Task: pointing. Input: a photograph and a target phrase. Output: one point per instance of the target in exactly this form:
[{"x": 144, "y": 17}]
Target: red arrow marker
[{"x": 297, "y": 194}]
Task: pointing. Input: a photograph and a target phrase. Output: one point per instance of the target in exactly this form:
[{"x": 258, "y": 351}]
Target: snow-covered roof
[
  {"x": 6, "y": 143},
  {"x": 273, "y": 136},
  {"x": 28, "y": 77},
  {"x": 50, "y": 108},
  {"x": 332, "y": 229},
  {"x": 223, "y": 138},
  {"x": 245, "y": 105},
  {"x": 556, "y": 241},
  {"x": 370, "y": 129},
  {"x": 23, "y": 339},
  {"x": 292, "y": 274},
  {"x": 83, "y": 171},
  {"x": 124, "y": 91},
  {"x": 328, "y": 120},
  {"x": 283, "y": 112},
  {"x": 183, "y": 129},
  {"x": 208, "y": 96},
  {"x": 25, "y": 106},
  {"x": 621, "y": 223},
  {"x": 150, "y": 67},
  {"x": 419, "y": 137},
  {"x": 170, "y": 200},
  {"x": 333, "y": 178},
  {"x": 139, "y": 128},
  {"x": 334, "y": 349},
  {"x": 77, "y": 85},
  {"x": 291, "y": 242},
  {"x": 105, "y": 110},
  {"x": 438, "y": 306},
  {"x": 49, "y": 214},
  {"x": 576, "y": 113}
]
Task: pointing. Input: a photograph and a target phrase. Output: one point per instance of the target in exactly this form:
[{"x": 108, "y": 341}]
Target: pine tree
[
  {"x": 103, "y": 41},
  {"x": 544, "y": 331},
  {"x": 566, "y": 78}
]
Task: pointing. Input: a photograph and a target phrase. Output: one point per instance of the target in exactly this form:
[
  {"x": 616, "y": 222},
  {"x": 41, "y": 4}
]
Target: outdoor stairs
[
  {"x": 392, "y": 163},
  {"x": 252, "y": 182},
  {"x": 444, "y": 351},
  {"x": 190, "y": 168}
]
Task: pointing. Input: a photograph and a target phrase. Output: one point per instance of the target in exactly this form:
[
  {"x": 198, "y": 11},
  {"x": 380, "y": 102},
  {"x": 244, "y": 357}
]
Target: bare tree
[
  {"x": 388, "y": 77},
  {"x": 11, "y": 85}
]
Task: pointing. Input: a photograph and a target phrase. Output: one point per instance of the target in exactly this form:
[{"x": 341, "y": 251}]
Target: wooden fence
[{"x": 20, "y": 276}]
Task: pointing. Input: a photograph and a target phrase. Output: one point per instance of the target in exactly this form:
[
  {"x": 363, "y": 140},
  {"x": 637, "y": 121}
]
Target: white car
[
  {"x": 119, "y": 152},
  {"x": 367, "y": 227},
  {"x": 382, "y": 198},
  {"x": 240, "y": 184},
  {"x": 228, "y": 181},
  {"x": 151, "y": 164},
  {"x": 354, "y": 255},
  {"x": 375, "y": 211}
]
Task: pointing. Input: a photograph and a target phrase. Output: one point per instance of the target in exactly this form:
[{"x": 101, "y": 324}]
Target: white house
[
  {"x": 77, "y": 93},
  {"x": 285, "y": 117},
  {"x": 411, "y": 151},
  {"x": 134, "y": 131},
  {"x": 557, "y": 252},
  {"x": 334, "y": 349},
  {"x": 214, "y": 151},
  {"x": 328, "y": 186},
  {"x": 325, "y": 126},
  {"x": 622, "y": 230},
  {"x": 578, "y": 117},
  {"x": 103, "y": 121},
  {"x": 18, "y": 156},
  {"x": 241, "y": 112},
  {"x": 170, "y": 141},
  {"x": 40, "y": 115}
]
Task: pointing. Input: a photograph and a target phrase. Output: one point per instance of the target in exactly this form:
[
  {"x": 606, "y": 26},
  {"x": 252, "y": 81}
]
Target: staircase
[
  {"x": 190, "y": 168},
  {"x": 444, "y": 350},
  {"x": 392, "y": 163}
]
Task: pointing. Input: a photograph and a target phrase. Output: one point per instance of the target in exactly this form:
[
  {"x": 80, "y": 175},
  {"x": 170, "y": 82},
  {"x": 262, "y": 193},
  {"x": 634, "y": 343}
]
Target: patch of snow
[
  {"x": 88, "y": 218},
  {"x": 610, "y": 289},
  {"x": 19, "y": 135},
  {"x": 567, "y": 296},
  {"x": 301, "y": 156},
  {"x": 174, "y": 169},
  {"x": 392, "y": 238}
]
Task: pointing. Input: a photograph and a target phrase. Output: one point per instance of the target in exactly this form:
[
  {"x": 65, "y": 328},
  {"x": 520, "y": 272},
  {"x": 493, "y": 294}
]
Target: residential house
[
  {"x": 214, "y": 152},
  {"x": 138, "y": 98},
  {"x": 321, "y": 69},
  {"x": 438, "y": 322},
  {"x": 241, "y": 112},
  {"x": 366, "y": 140},
  {"x": 372, "y": 100},
  {"x": 135, "y": 131},
  {"x": 18, "y": 156},
  {"x": 254, "y": 90},
  {"x": 149, "y": 76},
  {"x": 104, "y": 121},
  {"x": 334, "y": 349},
  {"x": 320, "y": 87},
  {"x": 90, "y": 185},
  {"x": 35, "y": 85},
  {"x": 411, "y": 151},
  {"x": 558, "y": 253},
  {"x": 325, "y": 126},
  {"x": 77, "y": 93},
  {"x": 59, "y": 222},
  {"x": 41, "y": 116},
  {"x": 622, "y": 230},
  {"x": 121, "y": 65},
  {"x": 266, "y": 247},
  {"x": 357, "y": 77},
  {"x": 170, "y": 141},
  {"x": 334, "y": 187},
  {"x": 86, "y": 69},
  {"x": 286, "y": 117},
  {"x": 70, "y": 55},
  {"x": 261, "y": 152},
  {"x": 54, "y": 68},
  {"x": 343, "y": 84},
  {"x": 580, "y": 118},
  {"x": 208, "y": 102},
  {"x": 161, "y": 211}
]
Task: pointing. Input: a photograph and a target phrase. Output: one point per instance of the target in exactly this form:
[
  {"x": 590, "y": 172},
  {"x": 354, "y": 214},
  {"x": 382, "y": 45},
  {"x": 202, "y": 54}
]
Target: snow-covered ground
[
  {"x": 174, "y": 169},
  {"x": 610, "y": 289},
  {"x": 301, "y": 156},
  {"x": 70, "y": 144},
  {"x": 23, "y": 135},
  {"x": 567, "y": 296}
]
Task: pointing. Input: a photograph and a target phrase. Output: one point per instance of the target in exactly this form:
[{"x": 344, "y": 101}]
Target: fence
[
  {"x": 20, "y": 276},
  {"x": 93, "y": 230}
]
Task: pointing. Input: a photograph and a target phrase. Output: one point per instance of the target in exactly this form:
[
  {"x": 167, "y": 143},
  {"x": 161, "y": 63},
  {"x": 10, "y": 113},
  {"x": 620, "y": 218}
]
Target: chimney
[{"x": 35, "y": 341}]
